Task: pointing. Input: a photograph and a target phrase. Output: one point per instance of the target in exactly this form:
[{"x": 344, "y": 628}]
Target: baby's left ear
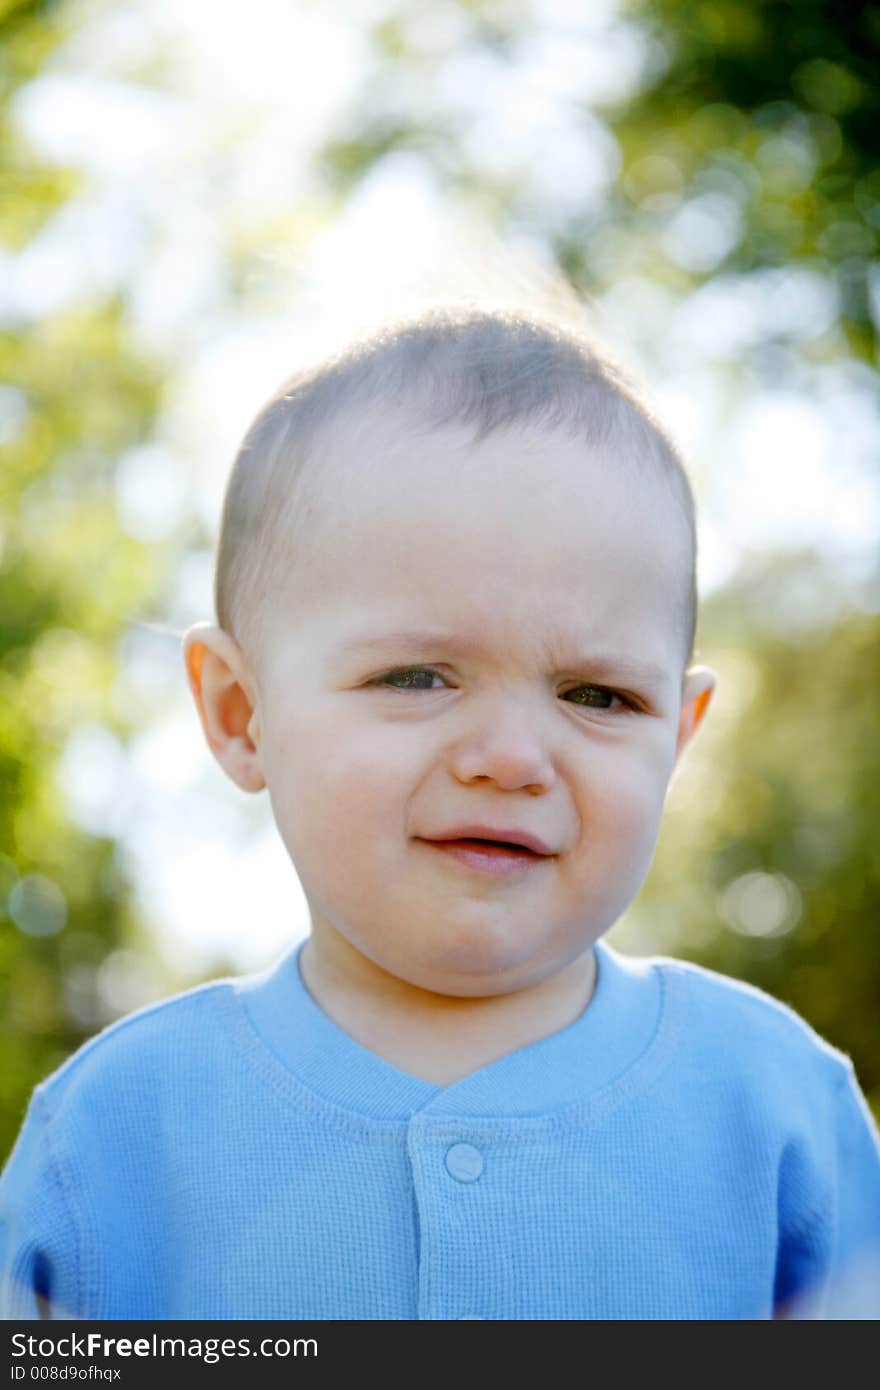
[{"x": 699, "y": 686}]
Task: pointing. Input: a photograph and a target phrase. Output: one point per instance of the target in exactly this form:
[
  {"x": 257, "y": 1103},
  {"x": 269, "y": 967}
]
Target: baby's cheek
[
  {"x": 624, "y": 810},
  {"x": 628, "y": 781},
  {"x": 338, "y": 801}
]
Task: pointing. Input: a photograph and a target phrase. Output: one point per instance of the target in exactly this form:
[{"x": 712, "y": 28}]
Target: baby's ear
[
  {"x": 225, "y": 698},
  {"x": 699, "y": 686}
]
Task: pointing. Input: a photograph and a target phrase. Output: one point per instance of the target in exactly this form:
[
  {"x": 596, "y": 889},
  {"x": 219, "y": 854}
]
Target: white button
[{"x": 464, "y": 1162}]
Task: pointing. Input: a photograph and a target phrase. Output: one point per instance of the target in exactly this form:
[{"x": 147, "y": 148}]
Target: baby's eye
[
  {"x": 410, "y": 678},
  {"x": 597, "y": 697},
  {"x": 423, "y": 678}
]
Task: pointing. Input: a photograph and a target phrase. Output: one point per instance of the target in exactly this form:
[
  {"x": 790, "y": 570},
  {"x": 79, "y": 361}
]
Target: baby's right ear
[{"x": 226, "y": 701}]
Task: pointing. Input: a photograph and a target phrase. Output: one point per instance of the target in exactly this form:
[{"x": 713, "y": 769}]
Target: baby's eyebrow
[
  {"x": 605, "y": 665},
  {"x": 445, "y": 641}
]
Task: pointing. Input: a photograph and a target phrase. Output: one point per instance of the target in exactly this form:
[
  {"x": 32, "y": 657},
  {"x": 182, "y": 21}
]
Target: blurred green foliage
[
  {"x": 74, "y": 397},
  {"x": 773, "y": 111},
  {"x": 762, "y": 117}
]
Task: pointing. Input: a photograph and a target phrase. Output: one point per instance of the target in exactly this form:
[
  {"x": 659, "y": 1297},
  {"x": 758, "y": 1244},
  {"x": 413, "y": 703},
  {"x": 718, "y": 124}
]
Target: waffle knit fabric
[{"x": 687, "y": 1149}]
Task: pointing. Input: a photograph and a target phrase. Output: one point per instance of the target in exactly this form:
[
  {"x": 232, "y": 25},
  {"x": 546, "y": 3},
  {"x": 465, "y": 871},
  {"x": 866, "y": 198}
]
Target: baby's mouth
[
  {"x": 489, "y": 846},
  {"x": 499, "y": 859},
  {"x": 501, "y": 839}
]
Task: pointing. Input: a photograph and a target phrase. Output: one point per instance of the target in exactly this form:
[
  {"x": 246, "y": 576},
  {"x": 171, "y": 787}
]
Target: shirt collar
[{"x": 609, "y": 1036}]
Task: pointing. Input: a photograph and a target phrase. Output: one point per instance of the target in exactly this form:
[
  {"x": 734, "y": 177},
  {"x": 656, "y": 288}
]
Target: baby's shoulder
[
  {"x": 741, "y": 1028},
  {"x": 162, "y": 1048}
]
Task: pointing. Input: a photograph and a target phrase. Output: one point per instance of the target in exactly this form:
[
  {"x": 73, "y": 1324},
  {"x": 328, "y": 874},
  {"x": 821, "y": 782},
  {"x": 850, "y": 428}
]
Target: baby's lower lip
[{"x": 501, "y": 861}]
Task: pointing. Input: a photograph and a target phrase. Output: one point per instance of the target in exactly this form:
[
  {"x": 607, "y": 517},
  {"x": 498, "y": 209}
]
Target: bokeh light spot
[
  {"x": 760, "y": 904},
  {"x": 37, "y": 905}
]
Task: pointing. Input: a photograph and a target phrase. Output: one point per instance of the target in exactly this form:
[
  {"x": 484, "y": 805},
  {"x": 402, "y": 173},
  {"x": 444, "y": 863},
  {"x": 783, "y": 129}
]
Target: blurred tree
[
  {"x": 745, "y": 139},
  {"x": 74, "y": 397},
  {"x": 760, "y": 122}
]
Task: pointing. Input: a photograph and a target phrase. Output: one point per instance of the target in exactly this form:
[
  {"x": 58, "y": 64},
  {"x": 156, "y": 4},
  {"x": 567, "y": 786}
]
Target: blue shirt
[{"x": 688, "y": 1148}]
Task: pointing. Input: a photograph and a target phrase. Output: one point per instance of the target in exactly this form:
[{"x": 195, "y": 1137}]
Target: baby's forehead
[
  {"x": 421, "y": 526},
  {"x": 395, "y": 460},
  {"x": 515, "y": 507}
]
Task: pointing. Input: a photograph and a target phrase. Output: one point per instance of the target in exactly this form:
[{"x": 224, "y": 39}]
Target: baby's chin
[{"x": 477, "y": 969}]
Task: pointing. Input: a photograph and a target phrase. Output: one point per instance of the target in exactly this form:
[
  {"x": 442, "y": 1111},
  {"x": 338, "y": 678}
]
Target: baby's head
[{"x": 456, "y": 603}]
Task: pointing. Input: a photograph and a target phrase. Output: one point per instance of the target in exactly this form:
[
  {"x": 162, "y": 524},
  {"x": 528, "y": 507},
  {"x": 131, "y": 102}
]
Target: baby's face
[{"x": 488, "y": 644}]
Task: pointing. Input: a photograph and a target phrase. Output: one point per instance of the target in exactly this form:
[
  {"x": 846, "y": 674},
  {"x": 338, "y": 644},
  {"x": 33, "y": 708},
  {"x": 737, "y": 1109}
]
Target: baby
[{"x": 456, "y": 609}]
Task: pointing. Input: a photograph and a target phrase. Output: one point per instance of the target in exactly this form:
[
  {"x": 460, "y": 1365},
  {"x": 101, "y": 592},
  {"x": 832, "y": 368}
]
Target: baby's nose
[{"x": 506, "y": 745}]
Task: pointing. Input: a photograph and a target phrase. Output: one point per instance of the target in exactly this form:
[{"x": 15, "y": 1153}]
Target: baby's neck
[{"x": 440, "y": 1038}]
